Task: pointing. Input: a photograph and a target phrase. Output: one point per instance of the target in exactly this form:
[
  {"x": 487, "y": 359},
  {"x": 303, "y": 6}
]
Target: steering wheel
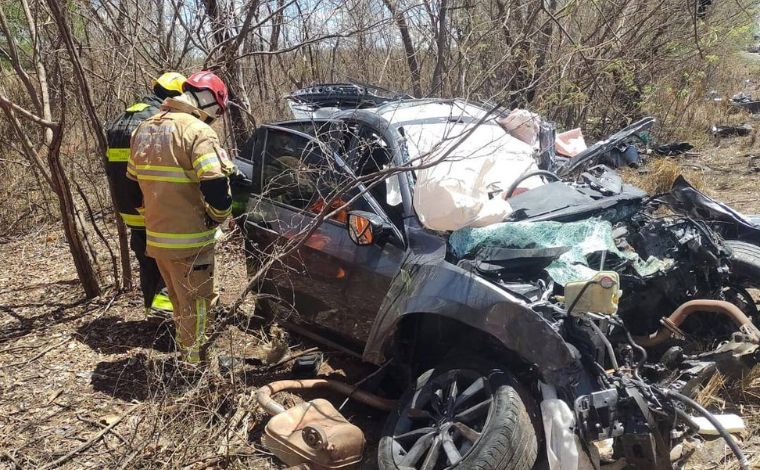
[{"x": 522, "y": 178}]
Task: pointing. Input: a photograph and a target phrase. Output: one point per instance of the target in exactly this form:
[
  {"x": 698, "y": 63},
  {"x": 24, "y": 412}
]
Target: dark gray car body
[{"x": 378, "y": 287}]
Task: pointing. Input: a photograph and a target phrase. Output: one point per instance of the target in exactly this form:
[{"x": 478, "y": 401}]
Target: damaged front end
[
  {"x": 666, "y": 318},
  {"x": 644, "y": 404}
]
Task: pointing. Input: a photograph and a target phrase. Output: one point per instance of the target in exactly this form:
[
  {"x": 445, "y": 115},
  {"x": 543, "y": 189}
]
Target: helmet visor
[{"x": 206, "y": 102}]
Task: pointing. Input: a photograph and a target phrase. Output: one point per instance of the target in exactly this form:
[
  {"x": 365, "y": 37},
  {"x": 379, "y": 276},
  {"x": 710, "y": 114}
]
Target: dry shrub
[
  {"x": 748, "y": 388},
  {"x": 728, "y": 395},
  {"x": 25, "y": 199},
  {"x": 23, "y": 205},
  {"x": 685, "y": 107},
  {"x": 194, "y": 418},
  {"x": 269, "y": 348},
  {"x": 741, "y": 396},
  {"x": 191, "y": 419},
  {"x": 659, "y": 174}
]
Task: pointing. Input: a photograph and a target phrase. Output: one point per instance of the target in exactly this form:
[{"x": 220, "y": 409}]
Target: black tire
[
  {"x": 504, "y": 436},
  {"x": 745, "y": 263}
]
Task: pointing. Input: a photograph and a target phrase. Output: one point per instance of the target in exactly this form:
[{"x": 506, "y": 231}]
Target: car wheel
[
  {"x": 745, "y": 262},
  {"x": 464, "y": 418}
]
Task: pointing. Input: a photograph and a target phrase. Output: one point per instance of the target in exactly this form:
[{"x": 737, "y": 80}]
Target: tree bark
[{"x": 229, "y": 69}]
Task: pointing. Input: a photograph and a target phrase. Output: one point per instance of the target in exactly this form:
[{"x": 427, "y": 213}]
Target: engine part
[
  {"x": 607, "y": 344},
  {"x": 314, "y": 433},
  {"x": 733, "y": 358},
  {"x": 690, "y": 376},
  {"x": 597, "y": 415},
  {"x": 685, "y": 374},
  {"x": 307, "y": 366},
  {"x": 640, "y": 451},
  {"x": 743, "y": 462},
  {"x": 672, "y": 358},
  {"x": 675, "y": 320},
  {"x": 600, "y": 294}
]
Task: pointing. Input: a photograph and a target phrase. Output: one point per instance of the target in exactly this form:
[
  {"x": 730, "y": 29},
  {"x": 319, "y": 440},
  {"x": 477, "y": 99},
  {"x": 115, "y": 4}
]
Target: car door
[
  {"x": 241, "y": 184},
  {"x": 331, "y": 282}
]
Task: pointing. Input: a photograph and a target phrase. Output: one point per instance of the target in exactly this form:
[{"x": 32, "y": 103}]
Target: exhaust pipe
[
  {"x": 675, "y": 320},
  {"x": 264, "y": 394}
]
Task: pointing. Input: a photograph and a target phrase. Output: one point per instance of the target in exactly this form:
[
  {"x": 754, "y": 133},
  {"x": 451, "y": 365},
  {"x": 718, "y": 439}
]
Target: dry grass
[
  {"x": 659, "y": 174},
  {"x": 741, "y": 397},
  {"x": 711, "y": 395},
  {"x": 686, "y": 111}
]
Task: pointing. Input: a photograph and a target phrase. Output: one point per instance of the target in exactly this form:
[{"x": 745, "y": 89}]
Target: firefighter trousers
[
  {"x": 151, "y": 282},
  {"x": 192, "y": 290}
]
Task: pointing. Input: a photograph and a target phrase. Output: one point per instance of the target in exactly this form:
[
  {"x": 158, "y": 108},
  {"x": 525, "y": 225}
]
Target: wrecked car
[{"x": 586, "y": 307}]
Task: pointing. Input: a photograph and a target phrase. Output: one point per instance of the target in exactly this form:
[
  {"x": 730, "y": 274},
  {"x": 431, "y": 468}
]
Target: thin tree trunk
[
  {"x": 230, "y": 72},
  {"x": 441, "y": 42},
  {"x": 66, "y": 203},
  {"x": 543, "y": 47},
  {"x": 95, "y": 227},
  {"x": 86, "y": 94},
  {"x": 406, "y": 39}
]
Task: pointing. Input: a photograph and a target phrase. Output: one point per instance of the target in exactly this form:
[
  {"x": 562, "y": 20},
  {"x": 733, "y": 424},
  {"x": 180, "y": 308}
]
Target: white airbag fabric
[
  {"x": 523, "y": 125},
  {"x": 460, "y": 160}
]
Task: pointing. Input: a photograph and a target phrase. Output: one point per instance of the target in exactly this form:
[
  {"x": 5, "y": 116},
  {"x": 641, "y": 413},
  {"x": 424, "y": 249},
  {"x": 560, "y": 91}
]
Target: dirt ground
[
  {"x": 69, "y": 368},
  {"x": 93, "y": 384}
]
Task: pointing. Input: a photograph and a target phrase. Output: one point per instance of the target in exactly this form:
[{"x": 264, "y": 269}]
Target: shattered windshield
[{"x": 581, "y": 238}]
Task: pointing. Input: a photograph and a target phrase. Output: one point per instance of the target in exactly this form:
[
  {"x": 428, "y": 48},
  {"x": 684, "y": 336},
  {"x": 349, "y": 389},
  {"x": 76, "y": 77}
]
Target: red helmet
[{"x": 205, "y": 80}]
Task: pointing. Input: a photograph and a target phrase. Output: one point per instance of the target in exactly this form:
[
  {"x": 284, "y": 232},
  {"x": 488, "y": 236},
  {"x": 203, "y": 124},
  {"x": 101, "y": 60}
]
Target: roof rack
[{"x": 344, "y": 96}]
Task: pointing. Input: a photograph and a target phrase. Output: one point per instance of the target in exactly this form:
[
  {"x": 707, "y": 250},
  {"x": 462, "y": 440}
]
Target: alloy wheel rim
[{"x": 444, "y": 421}]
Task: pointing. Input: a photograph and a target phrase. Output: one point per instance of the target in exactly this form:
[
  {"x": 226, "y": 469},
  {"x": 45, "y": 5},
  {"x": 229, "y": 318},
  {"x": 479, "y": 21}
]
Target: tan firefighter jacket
[{"x": 172, "y": 152}]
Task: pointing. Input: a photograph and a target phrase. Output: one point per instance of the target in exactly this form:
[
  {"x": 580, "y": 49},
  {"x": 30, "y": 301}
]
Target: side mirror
[{"x": 366, "y": 228}]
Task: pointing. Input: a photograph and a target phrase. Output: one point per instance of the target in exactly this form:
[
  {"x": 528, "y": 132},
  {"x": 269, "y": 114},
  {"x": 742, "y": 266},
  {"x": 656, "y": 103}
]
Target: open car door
[{"x": 329, "y": 281}]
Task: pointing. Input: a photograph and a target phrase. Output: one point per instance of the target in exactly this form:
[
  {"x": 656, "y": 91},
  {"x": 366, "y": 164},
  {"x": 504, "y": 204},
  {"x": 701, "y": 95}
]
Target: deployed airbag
[{"x": 464, "y": 160}]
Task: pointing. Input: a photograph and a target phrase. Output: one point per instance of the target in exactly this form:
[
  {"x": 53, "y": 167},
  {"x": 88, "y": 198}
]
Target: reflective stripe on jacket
[
  {"x": 119, "y": 133},
  {"x": 172, "y": 152}
]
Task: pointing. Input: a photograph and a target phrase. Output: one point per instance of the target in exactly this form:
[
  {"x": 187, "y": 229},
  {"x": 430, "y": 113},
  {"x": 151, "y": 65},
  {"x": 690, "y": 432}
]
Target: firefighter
[
  {"x": 182, "y": 180},
  {"x": 119, "y": 132}
]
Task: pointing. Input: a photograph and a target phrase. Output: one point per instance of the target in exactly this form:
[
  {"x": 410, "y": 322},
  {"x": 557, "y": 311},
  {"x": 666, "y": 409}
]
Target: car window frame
[
  {"x": 250, "y": 159},
  {"x": 397, "y": 144},
  {"x": 329, "y": 153},
  {"x": 294, "y": 124}
]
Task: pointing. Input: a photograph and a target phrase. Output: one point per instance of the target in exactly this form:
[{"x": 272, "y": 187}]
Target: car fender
[
  {"x": 688, "y": 200},
  {"x": 441, "y": 288}
]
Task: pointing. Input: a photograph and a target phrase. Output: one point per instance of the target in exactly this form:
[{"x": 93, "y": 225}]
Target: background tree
[{"x": 582, "y": 64}]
